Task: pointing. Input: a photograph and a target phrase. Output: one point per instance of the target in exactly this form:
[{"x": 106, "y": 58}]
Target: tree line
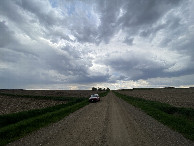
[{"x": 100, "y": 89}]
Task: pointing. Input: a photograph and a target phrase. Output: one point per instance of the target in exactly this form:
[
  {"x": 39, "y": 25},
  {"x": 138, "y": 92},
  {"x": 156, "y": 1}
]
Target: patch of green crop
[
  {"x": 178, "y": 119},
  {"x": 23, "y": 124},
  {"x": 8, "y": 119}
]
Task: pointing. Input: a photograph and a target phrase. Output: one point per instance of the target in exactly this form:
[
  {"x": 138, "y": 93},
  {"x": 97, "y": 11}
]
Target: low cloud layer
[{"x": 61, "y": 44}]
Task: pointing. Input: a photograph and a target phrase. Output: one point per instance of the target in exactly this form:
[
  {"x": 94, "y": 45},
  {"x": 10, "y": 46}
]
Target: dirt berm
[{"x": 111, "y": 121}]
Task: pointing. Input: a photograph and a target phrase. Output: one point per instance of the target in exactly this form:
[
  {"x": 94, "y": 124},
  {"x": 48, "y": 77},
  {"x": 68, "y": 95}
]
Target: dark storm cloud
[
  {"x": 131, "y": 16},
  {"x": 135, "y": 66},
  {"x": 145, "y": 69},
  {"x": 87, "y": 79},
  {"x": 145, "y": 12},
  {"x": 143, "y": 65},
  {"x": 186, "y": 81},
  {"x": 148, "y": 18},
  {"x": 50, "y": 42},
  {"x": 109, "y": 11}
]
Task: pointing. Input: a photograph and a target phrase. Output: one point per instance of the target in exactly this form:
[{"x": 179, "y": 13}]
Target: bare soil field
[
  {"x": 175, "y": 97},
  {"x": 111, "y": 121},
  {"x": 9, "y": 104},
  {"x": 64, "y": 93},
  {"x": 13, "y": 105}
]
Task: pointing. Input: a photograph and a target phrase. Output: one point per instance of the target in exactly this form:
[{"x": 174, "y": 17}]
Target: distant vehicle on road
[{"x": 94, "y": 98}]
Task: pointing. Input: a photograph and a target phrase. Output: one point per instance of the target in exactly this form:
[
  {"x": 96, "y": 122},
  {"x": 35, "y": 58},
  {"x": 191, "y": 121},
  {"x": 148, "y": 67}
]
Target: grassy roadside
[
  {"x": 8, "y": 119},
  {"x": 16, "y": 125},
  {"x": 20, "y": 124},
  {"x": 103, "y": 94},
  {"x": 178, "y": 119}
]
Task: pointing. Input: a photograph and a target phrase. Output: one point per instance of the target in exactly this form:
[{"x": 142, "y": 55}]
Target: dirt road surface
[{"x": 111, "y": 121}]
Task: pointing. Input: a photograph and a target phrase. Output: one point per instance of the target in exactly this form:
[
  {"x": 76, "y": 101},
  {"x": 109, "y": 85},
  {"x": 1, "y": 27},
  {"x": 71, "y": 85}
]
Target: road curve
[{"x": 111, "y": 121}]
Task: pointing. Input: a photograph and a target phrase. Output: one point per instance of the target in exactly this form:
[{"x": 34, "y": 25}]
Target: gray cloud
[
  {"x": 129, "y": 41},
  {"x": 4, "y": 38},
  {"x": 58, "y": 42},
  {"x": 145, "y": 12},
  {"x": 42, "y": 10},
  {"x": 131, "y": 16},
  {"x": 135, "y": 66}
]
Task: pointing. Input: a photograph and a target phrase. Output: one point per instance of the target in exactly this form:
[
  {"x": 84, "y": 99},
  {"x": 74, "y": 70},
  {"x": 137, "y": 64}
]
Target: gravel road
[{"x": 111, "y": 121}]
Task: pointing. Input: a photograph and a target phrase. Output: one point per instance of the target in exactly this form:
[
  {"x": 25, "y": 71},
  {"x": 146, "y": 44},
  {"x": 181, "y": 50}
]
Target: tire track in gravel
[
  {"x": 130, "y": 126},
  {"x": 123, "y": 129},
  {"x": 111, "y": 121}
]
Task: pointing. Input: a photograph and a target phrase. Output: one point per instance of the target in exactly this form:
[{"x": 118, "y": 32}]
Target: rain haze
[{"x": 68, "y": 44}]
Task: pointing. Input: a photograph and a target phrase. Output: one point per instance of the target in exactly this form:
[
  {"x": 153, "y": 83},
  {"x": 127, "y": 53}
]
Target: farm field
[
  {"x": 64, "y": 93},
  {"x": 10, "y": 104},
  {"x": 13, "y": 105},
  {"x": 23, "y": 111},
  {"x": 176, "y": 97},
  {"x": 112, "y": 121}
]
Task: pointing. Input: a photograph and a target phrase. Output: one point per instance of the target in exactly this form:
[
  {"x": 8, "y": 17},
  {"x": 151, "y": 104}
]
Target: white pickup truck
[{"x": 94, "y": 98}]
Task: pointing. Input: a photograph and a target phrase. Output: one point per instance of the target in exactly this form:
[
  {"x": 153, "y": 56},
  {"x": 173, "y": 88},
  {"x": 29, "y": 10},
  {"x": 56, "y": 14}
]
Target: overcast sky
[{"x": 66, "y": 44}]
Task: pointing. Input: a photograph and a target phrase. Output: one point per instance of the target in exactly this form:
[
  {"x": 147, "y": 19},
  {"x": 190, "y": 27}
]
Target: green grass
[
  {"x": 103, "y": 94},
  {"x": 16, "y": 125},
  {"x": 178, "y": 119},
  {"x": 8, "y": 119},
  {"x": 22, "y": 123}
]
